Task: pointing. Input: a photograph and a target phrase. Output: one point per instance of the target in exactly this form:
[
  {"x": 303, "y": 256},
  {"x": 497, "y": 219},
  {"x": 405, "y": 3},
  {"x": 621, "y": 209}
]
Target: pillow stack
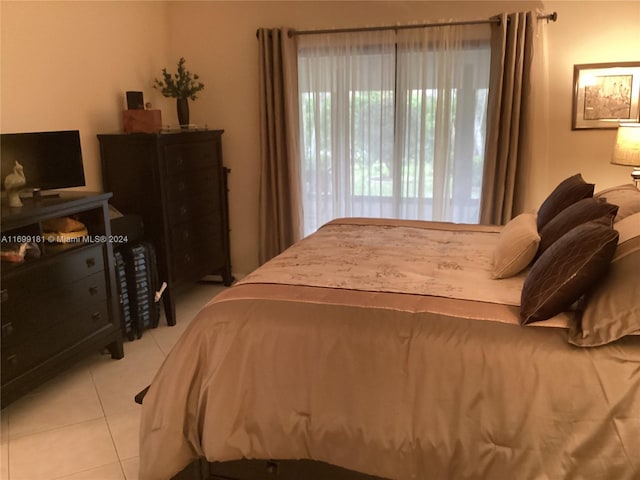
[
  {"x": 580, "y": 246},
  {"x": 577, "y": 244},
  {"x": 519, "y": 241}
]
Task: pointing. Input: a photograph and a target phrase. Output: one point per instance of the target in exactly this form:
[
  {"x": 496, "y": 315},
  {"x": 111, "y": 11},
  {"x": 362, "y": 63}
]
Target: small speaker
[{"x": 135, "y": 101}]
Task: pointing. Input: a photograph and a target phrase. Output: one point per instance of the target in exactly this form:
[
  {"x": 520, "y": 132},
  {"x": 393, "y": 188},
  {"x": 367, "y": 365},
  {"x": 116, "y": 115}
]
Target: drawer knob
[
  {"x": 95, "y": 316},
  {"x": 7, "y": 329},
  {"x": 93, "y": 291},
  {"x": 183, "y": 210},
  {"x": 4, "y": 295},
  {"x": 91, "y": 262},
  {"x": 272, "y": 468},
  {"x": 181, "y": 186}
]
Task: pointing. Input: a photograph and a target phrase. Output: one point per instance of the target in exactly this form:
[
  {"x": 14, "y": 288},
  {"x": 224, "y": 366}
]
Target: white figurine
[{"x": 13, "y": 183}]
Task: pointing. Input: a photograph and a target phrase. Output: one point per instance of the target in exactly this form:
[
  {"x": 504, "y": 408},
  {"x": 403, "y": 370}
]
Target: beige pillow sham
[{"x": 517, "y": 246}]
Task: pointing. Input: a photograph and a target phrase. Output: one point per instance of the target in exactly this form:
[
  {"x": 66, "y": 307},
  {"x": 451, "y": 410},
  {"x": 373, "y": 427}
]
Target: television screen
[{"x": 50, "y": 160}]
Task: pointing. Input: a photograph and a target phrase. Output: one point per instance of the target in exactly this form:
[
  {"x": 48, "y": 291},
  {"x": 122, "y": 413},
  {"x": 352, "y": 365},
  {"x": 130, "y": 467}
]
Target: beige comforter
[{"x": 412, "y": 385}]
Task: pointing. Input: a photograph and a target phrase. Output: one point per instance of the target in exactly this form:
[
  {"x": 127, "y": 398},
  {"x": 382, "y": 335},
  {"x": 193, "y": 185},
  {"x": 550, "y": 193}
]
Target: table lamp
[{"x": 627, "y": 149}]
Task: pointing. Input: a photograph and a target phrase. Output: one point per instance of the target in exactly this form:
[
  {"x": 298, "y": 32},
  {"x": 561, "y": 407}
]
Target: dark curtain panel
[
  {"x": 508, "y": 116},
  {"x": 279, "y": 204}
]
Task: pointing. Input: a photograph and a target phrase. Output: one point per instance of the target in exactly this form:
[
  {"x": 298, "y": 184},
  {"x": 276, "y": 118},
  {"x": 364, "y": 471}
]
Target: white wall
[
  {"x": 68, "y": 64},
  {"x": 587, "y": 32}
]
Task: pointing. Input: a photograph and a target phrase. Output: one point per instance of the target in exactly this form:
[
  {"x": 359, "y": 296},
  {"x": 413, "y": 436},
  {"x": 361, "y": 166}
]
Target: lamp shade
[{"x": 627, "y": 147}]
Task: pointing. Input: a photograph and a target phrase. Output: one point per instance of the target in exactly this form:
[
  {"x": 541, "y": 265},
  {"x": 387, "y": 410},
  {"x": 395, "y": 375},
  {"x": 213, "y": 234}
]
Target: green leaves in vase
[{"x": 182, "y": 84}]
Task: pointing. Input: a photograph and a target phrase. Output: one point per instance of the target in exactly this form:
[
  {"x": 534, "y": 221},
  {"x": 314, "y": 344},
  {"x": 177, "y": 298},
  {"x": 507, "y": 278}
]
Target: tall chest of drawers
[
  {"x": 62, "y": 304},
  {"x": 177, "y": 182}
]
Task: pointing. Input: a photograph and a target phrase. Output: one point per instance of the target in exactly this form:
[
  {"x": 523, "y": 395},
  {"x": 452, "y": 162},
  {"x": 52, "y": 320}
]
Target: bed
[{"x": 389, "y": 349}]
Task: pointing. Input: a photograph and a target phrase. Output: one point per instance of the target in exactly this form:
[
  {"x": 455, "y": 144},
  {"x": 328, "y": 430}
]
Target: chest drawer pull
[
  {"x": 96, "y": 317},
  {"x": 93, "y": 291},
  {"x": 7, "y": 329},
  {"x": 4, "y": 295},
  {"x": 272, "y": 468},
  {"x": 91, "y": 262},
  {"x": 183, "y": 210}
]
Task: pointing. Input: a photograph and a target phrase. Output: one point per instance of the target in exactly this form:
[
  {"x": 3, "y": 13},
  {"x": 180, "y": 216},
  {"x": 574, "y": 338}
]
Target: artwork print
[
  {"x": 605, "y": 94},
  {"x": 609, "y": 97}
]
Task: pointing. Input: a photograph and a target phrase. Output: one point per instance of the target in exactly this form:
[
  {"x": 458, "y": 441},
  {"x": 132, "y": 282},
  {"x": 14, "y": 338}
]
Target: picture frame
[{"x": 605, "y": 94}]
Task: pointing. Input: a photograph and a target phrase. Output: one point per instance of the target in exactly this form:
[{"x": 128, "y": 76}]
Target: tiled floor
[{"x": 83, "y": 424}]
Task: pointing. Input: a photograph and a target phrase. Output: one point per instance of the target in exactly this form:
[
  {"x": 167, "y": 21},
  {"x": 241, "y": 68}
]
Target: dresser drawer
[
  {"x": 204, "y": 186},
  {"x": 191, "y": 266},
  {"x": 79, "y": 324},
  {"x": 197, "y": 248},
  {"x": 20, "y": 285},
  {"x": 41, "y": 311},
  {"x": 188, "y": 157},
  {"x": 193, "y": 208},
  {"x": 187, "y": 236}
]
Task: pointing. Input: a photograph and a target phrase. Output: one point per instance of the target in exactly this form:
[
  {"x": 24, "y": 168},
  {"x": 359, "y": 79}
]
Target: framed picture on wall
[{"x": 605, "y": 94}]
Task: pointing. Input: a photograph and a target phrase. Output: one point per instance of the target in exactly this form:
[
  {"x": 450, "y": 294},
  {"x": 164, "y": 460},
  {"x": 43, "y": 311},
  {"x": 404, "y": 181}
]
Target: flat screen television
[{"x": 50, "y": 160}]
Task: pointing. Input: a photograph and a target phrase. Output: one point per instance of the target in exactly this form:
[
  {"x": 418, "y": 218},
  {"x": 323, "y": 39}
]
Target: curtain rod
[{"x": 550, "y": 17}]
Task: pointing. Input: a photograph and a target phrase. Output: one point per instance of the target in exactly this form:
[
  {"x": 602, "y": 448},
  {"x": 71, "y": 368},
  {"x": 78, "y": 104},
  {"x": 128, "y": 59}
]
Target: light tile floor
[{"x": 83, "y": 424}]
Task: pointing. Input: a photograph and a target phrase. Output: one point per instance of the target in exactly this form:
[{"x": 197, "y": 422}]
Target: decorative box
[{"x": 147, "y": 121}]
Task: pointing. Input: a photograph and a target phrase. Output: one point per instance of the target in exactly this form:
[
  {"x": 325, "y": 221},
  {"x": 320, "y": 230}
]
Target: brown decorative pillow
[
  {"x": 582, "y": 211},
  {"x": 567, "y": 270},
  {"x": 517, "y": 246},
  {"x": 568, "y": 192},
  {"x": 613, "y": 308},
  {"x": 627, "y": 197}
]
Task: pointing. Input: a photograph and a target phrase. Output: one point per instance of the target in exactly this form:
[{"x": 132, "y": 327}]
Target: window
[{"x": 393, "y": 125}]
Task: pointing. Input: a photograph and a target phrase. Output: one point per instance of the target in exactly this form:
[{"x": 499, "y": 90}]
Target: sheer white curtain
[
  {"x": 347, "y": 100},
  {"x": 443, "y": 81},
  {"x": 392, "y": 125}
]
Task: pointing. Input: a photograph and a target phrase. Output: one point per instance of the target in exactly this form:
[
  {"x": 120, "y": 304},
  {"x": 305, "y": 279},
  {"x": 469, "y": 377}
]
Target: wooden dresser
[
  {"x": 63, "y": 304},
  {"x": 177, "y": 182}
]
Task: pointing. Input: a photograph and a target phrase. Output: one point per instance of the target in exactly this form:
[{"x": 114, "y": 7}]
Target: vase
[{"x": 183, "y": 112}]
